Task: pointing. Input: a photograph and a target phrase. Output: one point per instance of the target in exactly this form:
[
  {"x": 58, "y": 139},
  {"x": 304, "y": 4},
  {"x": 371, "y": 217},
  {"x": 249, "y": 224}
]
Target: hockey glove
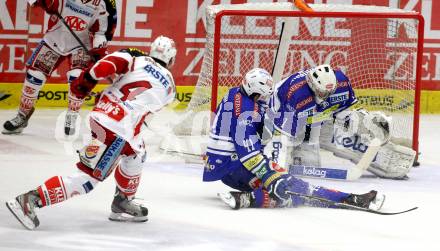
[
  {"x": 98, "y": 53},
  {"x": 83, "y": 85},
  {"x": 50, "y": 6},
  {"x": 277, "y": 185}
]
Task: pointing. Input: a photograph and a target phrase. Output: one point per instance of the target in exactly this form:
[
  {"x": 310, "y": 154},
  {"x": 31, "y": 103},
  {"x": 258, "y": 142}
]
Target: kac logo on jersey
[{"x": 76, "y": 23}]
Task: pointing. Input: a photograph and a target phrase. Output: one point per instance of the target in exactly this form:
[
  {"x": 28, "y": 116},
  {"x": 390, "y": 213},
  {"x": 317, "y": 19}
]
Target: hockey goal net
[{"x": 379, "y": 49}]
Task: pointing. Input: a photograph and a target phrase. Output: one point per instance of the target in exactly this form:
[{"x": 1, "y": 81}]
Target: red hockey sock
[
  {"x": 52, "y": 191},
  {"x": 127, "y": 184}
]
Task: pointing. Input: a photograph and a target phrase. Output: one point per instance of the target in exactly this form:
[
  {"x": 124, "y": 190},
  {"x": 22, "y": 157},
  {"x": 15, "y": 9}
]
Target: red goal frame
[{"x": 421, "y": 24}]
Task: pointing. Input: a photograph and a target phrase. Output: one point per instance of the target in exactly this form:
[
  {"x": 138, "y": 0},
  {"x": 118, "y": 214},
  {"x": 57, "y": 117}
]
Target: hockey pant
[
  {"x": 127, "y": 165},
  {"x": 41, "y": 65},
  {"x": 243, "y": 180}
]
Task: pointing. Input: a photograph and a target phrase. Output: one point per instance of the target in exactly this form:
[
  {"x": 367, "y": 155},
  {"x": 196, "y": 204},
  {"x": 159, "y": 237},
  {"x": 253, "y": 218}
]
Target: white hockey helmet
[
  {"x": 258, "y": 81},
  {"x": 164, "y": 49},
  {"x": 322, "y": 81}
]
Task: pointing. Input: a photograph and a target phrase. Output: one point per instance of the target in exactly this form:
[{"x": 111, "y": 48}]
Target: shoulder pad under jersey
[{"x": 134, "y": 52}]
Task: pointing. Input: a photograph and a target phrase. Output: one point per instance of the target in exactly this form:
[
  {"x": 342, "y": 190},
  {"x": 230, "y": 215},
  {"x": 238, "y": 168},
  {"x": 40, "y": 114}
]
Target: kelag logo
[{"x": 4, "y": 96}]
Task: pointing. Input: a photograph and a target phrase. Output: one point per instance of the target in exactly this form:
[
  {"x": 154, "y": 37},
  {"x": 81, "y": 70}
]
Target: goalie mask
[
  {"x": 164, "y": 49},
  {"x": 258, "y": 82},
  {"x": 322, "y": 81}
]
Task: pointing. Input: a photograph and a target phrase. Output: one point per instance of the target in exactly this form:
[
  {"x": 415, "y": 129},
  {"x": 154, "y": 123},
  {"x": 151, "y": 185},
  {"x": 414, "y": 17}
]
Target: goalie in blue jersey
[{"x": 235, "y": 152}]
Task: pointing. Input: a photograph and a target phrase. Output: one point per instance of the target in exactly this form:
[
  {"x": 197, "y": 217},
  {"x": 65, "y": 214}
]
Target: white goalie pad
[{"x": 392, "y": 160}]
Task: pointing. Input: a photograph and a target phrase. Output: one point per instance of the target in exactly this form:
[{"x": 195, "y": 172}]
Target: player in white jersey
[
  {"x": 94, "y": 22},
  {"x": 142, "y": 86}
]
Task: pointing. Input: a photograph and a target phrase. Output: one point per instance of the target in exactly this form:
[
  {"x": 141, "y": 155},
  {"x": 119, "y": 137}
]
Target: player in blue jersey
[
  {"x": 235, "y": 151},
  {"x": 309, "y": 111}
]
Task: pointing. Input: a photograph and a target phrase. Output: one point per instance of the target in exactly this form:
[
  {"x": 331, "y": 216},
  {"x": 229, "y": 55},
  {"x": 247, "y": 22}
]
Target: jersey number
[
  {"x": 130, "y": 91},
  {"x": 249, "y": 145}
]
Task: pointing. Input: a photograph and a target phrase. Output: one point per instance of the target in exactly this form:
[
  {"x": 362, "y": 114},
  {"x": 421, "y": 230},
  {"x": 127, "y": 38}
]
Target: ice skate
[
  {"x": 70, "y": 123},
  {"x": 23, "y": 208},
  {"x": 17, "y": 124},
  {"x": 371, "y": 200},
  {"x": 125, "y": 209},
  {"x": 237, "y": 200}
]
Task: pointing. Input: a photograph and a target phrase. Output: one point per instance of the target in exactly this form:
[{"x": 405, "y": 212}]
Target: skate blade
[
  {"x": 17, "y": 211},
  {"x": 14, "y": 132},
  {"x": 121, "y": 217},
  {"x": 378, "y": 202}
]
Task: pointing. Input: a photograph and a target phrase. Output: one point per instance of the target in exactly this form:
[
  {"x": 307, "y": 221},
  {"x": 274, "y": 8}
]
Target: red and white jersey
[
  {"x": 85, "y": 18},
  {"x": 141, "y": 87}
]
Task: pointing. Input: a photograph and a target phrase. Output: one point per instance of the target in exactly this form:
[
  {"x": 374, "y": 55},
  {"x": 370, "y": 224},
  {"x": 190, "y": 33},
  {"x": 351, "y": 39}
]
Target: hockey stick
[
  {"x": 347, "y": 206},
  {"x": 352, "y": 173},
  {"x": 278, "y": 48}
]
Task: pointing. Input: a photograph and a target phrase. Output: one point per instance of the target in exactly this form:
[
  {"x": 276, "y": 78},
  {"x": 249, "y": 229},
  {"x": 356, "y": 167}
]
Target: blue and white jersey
[
  {"x": 293, "y": 108},
  {"x": 234, "y": 139}
]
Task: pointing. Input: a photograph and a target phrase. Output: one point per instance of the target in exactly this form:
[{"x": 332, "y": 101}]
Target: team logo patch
[
  {"x": 304, "y": 102},
  {"x": 76, "y": 23},
  {"x": 294, "y": 88},
  {"x": 237, "y": 104},
  {"x": 91, "y": 151},
  {"x": 343, "y": 84},
  {"x": 110, "y": 108}
]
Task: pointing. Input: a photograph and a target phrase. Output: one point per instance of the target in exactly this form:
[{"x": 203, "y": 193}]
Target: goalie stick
[
  {"x": 278, "y": 47},
  {"x": 347, "y": 206},
  {"x": 352, "y": 173}
]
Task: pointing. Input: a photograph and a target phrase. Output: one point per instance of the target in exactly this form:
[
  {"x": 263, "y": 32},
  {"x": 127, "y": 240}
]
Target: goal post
[{"x": 379, "y": 48}]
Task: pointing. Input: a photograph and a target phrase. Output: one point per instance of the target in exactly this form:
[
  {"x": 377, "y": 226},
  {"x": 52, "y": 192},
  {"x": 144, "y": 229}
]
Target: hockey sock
[
  {"x": 74, "y": 103},
  {"x": 32, "y": 85},
  {"x": 126, "y": 183},
  {"x": 262, "y": 199},
  {"x": 58, "y": 189},
  {"x": 52, "y": 191},
  {"x": 330, "y": 194}
]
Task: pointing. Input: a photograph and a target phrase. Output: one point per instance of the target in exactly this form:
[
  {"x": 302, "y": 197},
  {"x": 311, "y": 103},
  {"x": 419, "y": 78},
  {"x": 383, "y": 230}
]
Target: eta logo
[{"x": 76, "y": 23}]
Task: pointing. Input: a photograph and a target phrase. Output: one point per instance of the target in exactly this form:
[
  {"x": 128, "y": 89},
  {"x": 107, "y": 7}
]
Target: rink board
[{"x": 55, "y": 95}]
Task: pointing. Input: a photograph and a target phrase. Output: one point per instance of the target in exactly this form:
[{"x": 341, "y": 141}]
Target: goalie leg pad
[{"x": 392, "y": 160}]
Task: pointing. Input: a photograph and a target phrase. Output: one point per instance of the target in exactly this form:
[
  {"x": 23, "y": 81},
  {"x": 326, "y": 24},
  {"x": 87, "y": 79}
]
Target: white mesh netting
[{"x": 377, "y": 53}]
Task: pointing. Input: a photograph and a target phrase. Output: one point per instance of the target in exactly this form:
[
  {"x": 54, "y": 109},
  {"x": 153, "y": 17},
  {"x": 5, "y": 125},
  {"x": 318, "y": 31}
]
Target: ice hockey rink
[{"x": 185, "y": 214}]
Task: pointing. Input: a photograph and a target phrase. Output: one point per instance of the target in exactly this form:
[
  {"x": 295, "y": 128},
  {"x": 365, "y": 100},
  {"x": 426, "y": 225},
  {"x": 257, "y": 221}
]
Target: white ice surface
[{"x": 186, "y": 215}]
